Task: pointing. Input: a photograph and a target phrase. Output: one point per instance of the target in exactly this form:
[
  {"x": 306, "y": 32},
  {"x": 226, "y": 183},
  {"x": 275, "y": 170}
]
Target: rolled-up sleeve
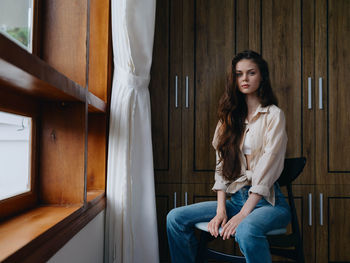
[
  {"x": 270, "y": 164},
  {"x": 220, "y": 182}
]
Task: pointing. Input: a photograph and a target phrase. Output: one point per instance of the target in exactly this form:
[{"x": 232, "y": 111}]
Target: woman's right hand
[{"x": 219, "y": 220}]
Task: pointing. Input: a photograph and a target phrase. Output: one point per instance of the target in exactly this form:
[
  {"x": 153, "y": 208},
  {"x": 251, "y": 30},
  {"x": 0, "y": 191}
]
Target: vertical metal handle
[
  {"x": 185, "y": 198},
  {"x": 174, "y": 199},
  {"x": 176, "y": 91},
  {"x": 310, "y": 209},
  {"x": 309, "y": 99},
  {"x": 187, "y": 92},
  {"x": 321, "y": 209},
  {"x": 320, "y": 103}
]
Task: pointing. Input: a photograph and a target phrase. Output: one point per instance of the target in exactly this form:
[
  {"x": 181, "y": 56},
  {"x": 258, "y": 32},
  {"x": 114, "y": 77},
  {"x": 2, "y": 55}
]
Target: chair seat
[{"x": 204, "y": 227}]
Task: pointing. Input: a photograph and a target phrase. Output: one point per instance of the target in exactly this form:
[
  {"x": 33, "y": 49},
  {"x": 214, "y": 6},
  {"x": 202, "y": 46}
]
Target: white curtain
[{"x": 131, "y": 224}]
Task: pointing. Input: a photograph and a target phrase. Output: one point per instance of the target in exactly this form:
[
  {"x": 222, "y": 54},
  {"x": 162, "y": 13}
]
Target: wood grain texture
[
  {"x": 64, "y": 32},
  {"x": 339, "y": 228},
  {"x": 165, "y": 201},
  {"x": 255, "y": 25},
  {"x": 159, "y": 87},
  {"x": 308, "y": 115},
  {"x": 209, "y": 45},
  {"x": 242, "y": 25},
  {"x": 36, "y": 28},
  {"x": 93, "y": 195},
  {"x": 333, "y": 237},
  {"x": 98, "y": 50},
  {"x": 281, "y": 47},
  {"x": 321, "y": 71},
  {"x": 338, "y": 91},
  {"x": 331, "y": 63},
  {"x": 62, "y": 224},
  {"x": 301, "y": 199},
  {"x": 62, "y": 153},
  {"x": 26, "y": 73},
  {"x": 166, "y": 118},
  {"x": 21, "y": 230},
  {"x": 96, "y": 174}
]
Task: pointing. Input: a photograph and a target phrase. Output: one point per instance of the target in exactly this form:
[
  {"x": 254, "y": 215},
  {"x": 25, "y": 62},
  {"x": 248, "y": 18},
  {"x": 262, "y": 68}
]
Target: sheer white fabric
[{"x": 131, "y": 224}]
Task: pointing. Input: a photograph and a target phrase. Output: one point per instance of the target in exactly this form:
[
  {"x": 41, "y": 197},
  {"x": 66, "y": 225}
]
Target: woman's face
[{"x": 248, "y": 76}]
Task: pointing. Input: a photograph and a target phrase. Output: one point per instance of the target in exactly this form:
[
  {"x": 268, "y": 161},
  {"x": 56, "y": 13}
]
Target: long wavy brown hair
[{"x": 232, "y": 113}]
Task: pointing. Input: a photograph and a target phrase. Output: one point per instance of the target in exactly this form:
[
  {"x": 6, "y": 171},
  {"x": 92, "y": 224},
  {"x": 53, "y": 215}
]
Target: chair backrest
[{"x": 292, "y": 169}]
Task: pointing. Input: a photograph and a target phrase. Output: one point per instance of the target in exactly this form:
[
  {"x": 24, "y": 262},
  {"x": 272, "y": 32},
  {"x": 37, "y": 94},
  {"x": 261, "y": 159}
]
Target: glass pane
[
  {"x": 15, "y": 154},
  {"x": 16, "y": 20}
]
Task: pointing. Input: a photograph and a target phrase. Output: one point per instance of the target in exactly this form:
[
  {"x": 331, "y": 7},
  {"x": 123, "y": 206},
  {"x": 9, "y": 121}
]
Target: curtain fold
[{"x": 131, "y": 225}]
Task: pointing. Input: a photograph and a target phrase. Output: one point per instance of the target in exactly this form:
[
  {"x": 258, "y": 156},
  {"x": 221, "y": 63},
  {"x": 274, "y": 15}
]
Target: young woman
[{"x": 250, "y": 142}]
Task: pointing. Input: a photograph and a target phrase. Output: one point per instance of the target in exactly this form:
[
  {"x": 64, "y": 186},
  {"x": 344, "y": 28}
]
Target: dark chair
[{"x": 281, "y": 244}]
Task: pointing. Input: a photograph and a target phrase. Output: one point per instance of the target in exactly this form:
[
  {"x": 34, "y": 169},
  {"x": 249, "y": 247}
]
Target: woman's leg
[
  {"x": 180, "y": 228},
  {"x": 251, "y": 232}
]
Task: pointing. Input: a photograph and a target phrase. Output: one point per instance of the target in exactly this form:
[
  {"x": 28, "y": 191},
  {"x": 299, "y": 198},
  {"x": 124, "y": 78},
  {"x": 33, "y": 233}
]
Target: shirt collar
[{"x": 260, "y": 109}]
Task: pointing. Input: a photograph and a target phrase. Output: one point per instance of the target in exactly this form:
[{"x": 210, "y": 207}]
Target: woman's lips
[{"x": 245, "y": 86}]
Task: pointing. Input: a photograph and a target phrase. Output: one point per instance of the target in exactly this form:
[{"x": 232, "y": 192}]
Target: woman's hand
[
  {"x": 231, "y": 226},
  {"x": 214, "y": 224}
]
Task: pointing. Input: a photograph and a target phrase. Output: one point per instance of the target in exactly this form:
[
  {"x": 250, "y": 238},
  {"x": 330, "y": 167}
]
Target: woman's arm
[
  {"x": 230, "y": 227},
  {"x": 221, "y": 195},
  {"x": 221, "y": 216},
  {"x": 270, "y": 164}
]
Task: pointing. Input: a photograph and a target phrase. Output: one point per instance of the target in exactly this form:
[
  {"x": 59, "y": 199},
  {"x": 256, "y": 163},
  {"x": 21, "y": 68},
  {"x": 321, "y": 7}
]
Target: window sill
[{"x": 36, "y": 235}]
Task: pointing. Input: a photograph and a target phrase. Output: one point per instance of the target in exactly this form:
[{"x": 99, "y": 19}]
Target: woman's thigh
[
  {"x": 199, "y": 212},
  {"x": 268, "y": 217}
]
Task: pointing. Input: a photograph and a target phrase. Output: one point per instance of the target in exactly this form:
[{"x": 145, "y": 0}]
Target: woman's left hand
[{"x": 231, "y": 226}]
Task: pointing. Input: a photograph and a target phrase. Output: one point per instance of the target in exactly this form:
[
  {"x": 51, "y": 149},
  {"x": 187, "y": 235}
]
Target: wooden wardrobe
[{"x": 306, "y": 44}]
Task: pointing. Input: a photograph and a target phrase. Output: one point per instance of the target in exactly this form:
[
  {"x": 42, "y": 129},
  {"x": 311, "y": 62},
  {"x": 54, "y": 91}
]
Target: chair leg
[{"x": 202, "y": 253}]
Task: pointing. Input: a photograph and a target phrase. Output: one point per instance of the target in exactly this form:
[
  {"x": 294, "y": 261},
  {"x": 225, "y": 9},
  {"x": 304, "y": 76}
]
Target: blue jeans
[{"x": 250, "y": 233}]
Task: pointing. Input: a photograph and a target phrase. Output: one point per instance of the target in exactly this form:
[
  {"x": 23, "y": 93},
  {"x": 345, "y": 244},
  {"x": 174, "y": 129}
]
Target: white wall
[{"x": 86, "y": 246}]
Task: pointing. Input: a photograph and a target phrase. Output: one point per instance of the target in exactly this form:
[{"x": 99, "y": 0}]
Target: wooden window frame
[
  {"x": 18, "y": 203},
  {"x": 19, "y": 104},
  {"x": 28, "y": 85}
]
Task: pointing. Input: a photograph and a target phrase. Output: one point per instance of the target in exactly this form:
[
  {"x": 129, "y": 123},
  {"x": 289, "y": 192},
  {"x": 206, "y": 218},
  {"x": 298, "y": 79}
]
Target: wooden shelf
[
  {"x": 28, "y": 74},
  {"x": 96, "y": 104},
  {"x": 21, "y": 230},
  {"x": 36, "y": 235},
  {"x": 93, "y": 195}
]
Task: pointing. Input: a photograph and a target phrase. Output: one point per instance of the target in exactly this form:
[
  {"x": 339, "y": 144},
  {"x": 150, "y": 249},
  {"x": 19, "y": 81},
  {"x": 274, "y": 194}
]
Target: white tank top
[{"x": 247, "y": 144}]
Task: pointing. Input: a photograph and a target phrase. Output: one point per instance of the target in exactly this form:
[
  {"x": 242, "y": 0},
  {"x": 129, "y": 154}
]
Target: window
[
  {"x": 58, "y": 94},
  {"x": 16, "y": 21},
  {"x": 15, "y": 154}
]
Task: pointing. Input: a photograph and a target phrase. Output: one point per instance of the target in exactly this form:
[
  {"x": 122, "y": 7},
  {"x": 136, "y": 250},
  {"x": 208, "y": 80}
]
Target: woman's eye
[
  {"x": 252, "y": 73},
  {"x": 238, "y": 74}
]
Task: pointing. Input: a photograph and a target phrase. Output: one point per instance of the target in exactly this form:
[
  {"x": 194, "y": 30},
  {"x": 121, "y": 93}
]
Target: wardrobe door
[
  {"x": 332, "y": 134},
  {"x": 332, "y": 93},
  {"x": 168, "y": 196},
  {"x": 208, "y": 47},
  {"x": 287, "y": 45},
  {"x": 305, "y": 200},
  {"x": 332, "y": 221},
  {"x": 165, "y": 92}
]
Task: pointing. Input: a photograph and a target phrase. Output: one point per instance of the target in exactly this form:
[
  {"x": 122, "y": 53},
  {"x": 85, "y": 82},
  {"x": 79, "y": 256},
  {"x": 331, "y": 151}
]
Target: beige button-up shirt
[{"x": 268, "y": 143}]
